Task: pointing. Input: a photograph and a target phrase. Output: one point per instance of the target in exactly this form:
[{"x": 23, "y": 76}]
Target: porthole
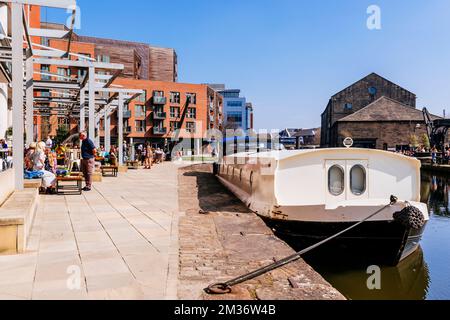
[
  {"x": 358, "y": 180},
  {"x": 336, "y": 177}
]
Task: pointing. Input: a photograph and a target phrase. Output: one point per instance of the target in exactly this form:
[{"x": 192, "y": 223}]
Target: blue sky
[{"x": 288, "y": 56}]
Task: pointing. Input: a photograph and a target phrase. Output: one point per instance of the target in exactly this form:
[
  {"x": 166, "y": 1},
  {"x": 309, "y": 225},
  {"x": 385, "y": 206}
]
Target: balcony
[
  {"x": 126, "y": 114},
  {"x": 159, "y": 115},
  {"x": 159, "y": 100},
  {"x": 159, "y": 131}
]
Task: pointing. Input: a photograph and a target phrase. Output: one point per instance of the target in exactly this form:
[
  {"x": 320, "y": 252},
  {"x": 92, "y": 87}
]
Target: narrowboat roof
[{"x": 281, "y": 155}]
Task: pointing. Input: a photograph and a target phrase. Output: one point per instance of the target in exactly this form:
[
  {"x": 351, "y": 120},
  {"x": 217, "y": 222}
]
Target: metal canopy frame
[{"x": 18, "y": 55}]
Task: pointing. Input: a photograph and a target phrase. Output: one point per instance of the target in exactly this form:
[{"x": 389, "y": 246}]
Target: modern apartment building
[{"x": 238, "y": 114}]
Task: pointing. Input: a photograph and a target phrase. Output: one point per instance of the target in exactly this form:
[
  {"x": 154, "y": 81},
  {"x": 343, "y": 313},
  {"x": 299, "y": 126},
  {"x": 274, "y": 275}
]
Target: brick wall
[{"x": 390, "y": 133}]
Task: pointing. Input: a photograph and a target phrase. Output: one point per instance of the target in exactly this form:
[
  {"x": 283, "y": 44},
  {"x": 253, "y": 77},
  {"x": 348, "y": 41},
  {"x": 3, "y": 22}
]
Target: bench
[
  {"x": 109, "y": 170},
  {"x": 63, "y": 188},
  {"x": 16, "y": 219},
  {"x": 133, "y": 164}
]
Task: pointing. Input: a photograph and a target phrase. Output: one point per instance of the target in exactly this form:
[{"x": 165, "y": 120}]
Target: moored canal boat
[{"x": 310, "y": 195}]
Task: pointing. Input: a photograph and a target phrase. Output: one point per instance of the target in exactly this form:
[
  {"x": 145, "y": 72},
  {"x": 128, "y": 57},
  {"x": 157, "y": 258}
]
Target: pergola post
[
  {"x": 98, "y": 118},
  {"x": 120, "y": 129},
  {"x": 17, "y": 92},
  {"x": 91, "y": 88},
  {"x": 29, "y": 89},
  {"x": 107, "y": 120},
  {"x": 82, "y": 110}
]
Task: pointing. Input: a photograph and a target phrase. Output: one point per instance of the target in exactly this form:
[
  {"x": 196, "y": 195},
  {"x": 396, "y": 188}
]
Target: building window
[
  {"x": 139, "y": 111},
  {"x": 358, "y": 180},
  {"x": 140, "y": 125},
  {"x": 174, "y": 125},
  {"x": 336, "y": 180},
  {"x": 175, "y": 97},
  {"x": 234, "y": 104},
  {"x": 103, "y": 58},
  {"x": 234, "y": 117},
  {"x": 45, "y": 42},
  {"x": 46, "y": 70},
  {"x": 191, "y": 113},
  {"x": 348, "y": 107},
  {"x": 192, "y": 98},
  {"x": 142, "y": 98},
  {"x": 174, "y": 112},
  {"x": 63, "y": 74},
  {"x": 190, "y": 127},
  {"x": 158, "y": 93}
]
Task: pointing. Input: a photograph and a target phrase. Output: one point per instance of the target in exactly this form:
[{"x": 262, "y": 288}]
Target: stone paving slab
[{"x": 116, "y": 242}]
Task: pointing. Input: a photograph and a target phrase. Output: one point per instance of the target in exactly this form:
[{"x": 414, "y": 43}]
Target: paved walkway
[{"x": 119, "y": 241}]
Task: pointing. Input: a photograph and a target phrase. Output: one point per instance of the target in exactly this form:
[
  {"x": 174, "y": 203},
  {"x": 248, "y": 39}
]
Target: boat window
[
  {"x": 336, "y": 180},
  {"x": 358, "y": 180}
]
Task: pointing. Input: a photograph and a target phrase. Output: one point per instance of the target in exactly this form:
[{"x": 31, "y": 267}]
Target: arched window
[
  {"x": 358, "y": 180},
  {"x": 336, "y": 177}
]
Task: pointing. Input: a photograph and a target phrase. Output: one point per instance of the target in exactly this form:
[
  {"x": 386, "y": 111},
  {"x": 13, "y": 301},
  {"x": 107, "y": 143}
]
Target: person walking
[
  {"x": 88, "y": 154},
  {"x": 148, "y": 156}
]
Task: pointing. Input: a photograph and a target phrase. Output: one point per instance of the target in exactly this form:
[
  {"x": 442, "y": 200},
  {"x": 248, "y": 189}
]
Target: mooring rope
[{"x": 224, "y": 288}]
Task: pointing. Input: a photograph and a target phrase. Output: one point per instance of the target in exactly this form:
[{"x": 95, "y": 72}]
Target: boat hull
[{"x": 375, "y": 242}]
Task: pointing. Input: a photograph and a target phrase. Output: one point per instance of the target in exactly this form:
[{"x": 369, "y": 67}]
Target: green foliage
[
  {"x": 425, "y": 141},
  {"x": 62, "y": 133},
  {"x": 414, "y": 141}
]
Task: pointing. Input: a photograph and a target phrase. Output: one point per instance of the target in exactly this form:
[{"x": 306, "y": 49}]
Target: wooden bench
[
  {"x": 110, "y": 171},
  {"x": 71, "y": 188},
  {"x": 133, "y": 164}
]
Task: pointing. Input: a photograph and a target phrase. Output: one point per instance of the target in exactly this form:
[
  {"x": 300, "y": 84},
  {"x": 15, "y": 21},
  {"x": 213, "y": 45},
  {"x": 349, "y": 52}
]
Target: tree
[
  {"x": 425, "y": 141},
  {"x": 62, "y": 133},
  {"x": 414, "y": 141}
]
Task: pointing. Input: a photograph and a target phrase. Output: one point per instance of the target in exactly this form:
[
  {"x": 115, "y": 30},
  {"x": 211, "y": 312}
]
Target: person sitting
[
  {"x": 113, "y": 156},
  {"x": 29, "y": 156},
  {"x": 38, "y": 160},
  {"x": 3, "y": 144}
]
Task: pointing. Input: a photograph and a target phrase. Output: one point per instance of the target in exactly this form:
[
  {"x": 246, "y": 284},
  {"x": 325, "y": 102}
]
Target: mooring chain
[{"x": 226, "y": 287}]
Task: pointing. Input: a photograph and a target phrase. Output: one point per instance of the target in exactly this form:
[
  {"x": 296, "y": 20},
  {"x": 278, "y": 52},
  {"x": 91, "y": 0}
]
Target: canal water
[{"x": 423, "y": 276}]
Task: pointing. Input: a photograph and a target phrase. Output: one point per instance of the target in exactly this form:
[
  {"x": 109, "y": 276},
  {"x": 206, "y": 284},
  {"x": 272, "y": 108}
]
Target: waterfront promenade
[
  {"x": 121, "y": 237},
  {"x": 164, "y": 233}
]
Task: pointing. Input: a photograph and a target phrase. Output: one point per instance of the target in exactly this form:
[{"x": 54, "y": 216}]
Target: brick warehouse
[
  {"x": 152, "y": 118},
  {"x": 375, "y": 113}
]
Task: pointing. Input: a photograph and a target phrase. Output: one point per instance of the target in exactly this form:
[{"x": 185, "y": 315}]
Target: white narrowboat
[{"x": 310, "y": 195}]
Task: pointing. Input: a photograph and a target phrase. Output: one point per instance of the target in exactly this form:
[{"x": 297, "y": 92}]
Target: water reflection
[
  {"x": 408, "y": 281},
  {"x": 435, "y": 192}
]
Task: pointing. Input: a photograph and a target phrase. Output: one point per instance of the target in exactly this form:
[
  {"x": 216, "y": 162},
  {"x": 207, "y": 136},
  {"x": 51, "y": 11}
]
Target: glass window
[
  {"x": 139, "y": 111},
  {"x": 192, "y": 97},
  {"x": 174, "y": 125},
  {"x": 190, "y": 127},
  {"x": 358, "y": 180},
  {"x": 174, "y": 112},
  {"x": 336, "y": 180},
  {"x": 348, "y": 107},
  {"x": 191, "y": 113},
  {"x": 140, "y": 125},
  {"x": 175, "y": 97},
  {"x": 142, "y": 97},
  {"x": 158, "y": 93}
]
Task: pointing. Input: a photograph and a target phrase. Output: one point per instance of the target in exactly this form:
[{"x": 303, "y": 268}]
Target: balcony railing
[
  {"x": 126, "y": 114},
  {"x": 159, "y": 131},
  {"x": 159, "y": 100},
  {"x": 159, "y": 115}
]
